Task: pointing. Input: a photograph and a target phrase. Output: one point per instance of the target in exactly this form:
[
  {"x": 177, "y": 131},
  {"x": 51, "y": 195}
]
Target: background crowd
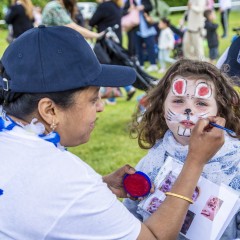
[{"x": 153, "y": 39}]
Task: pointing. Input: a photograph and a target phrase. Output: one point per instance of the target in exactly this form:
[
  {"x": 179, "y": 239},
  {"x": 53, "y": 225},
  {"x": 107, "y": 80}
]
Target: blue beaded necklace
[{"x": 35, "y": 127}]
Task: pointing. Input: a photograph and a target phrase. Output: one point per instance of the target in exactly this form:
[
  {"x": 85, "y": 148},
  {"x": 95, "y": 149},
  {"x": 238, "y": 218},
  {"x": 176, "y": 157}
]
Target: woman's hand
[
  {"x": 148, "y": 18},
  {"x": 115, "y": 180},
  {"x": 205, "y": 140}
]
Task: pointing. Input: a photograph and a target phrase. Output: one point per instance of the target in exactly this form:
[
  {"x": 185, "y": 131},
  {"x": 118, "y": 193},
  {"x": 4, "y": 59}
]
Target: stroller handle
[{"x": 110, "y": 32}]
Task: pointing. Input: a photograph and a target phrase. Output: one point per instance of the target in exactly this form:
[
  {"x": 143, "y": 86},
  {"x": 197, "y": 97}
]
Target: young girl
[{"x": 189, "y": 90}]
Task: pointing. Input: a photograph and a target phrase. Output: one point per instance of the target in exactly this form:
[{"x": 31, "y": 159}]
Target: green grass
[{"x": 110, "y": 146}]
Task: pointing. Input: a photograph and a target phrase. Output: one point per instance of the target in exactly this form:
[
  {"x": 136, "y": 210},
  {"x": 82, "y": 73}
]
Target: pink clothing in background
[{"x": 210, "y": 4}]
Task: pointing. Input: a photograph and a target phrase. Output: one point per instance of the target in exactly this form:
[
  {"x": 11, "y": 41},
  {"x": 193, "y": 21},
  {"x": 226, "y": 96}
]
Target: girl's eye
[
  {"x": 178, "y": 101},
  {"x": 202, "y": 104}
]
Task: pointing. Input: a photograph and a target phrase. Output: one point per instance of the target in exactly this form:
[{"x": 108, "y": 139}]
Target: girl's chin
[{"x": 184, "y": 140}]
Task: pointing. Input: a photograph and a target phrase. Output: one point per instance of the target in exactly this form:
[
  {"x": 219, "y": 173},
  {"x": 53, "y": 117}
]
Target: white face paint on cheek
[
  {"x": 181, "y": 124},
  {"x": 178, "y": 118}
]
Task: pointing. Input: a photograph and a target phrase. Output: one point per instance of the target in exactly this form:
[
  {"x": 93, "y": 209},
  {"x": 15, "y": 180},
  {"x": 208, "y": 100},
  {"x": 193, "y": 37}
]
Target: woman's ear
[{"x": 48, "y": 111}]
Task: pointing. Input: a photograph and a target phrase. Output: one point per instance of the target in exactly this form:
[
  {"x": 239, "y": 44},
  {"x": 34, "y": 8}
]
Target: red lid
[{"x": 137, "y": 184}]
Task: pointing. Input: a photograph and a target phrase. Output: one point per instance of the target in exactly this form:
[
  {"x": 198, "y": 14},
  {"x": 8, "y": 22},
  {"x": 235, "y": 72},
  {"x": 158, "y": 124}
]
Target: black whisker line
[{"x": 171, "y": 112}]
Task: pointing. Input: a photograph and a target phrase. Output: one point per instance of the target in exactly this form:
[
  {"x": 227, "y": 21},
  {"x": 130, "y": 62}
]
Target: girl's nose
[{"x": 187, "y": 111}]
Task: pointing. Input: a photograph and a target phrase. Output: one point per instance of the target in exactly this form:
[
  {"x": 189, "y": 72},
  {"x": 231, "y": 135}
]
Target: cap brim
[{"x": 115, "y": 76}]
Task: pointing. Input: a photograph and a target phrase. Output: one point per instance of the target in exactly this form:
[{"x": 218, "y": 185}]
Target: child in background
[
  {"x": 189, "y": 90},
  {"x": 212, "y": 37},
  {"x": 165, "y": 44}
]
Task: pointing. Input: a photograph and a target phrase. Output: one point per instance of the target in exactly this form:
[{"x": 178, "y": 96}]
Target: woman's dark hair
[
  {"x": 71, "y": 7},
  {"x": 22, "y": 105},
  {"x": 153, "y": 125}
]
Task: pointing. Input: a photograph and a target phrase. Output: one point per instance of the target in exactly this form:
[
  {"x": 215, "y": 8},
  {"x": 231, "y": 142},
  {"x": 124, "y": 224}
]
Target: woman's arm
[
  {"x": 84, "y": 31},
  {"x": 167, "y": 221},
  {"x": 97, "y": 16}
]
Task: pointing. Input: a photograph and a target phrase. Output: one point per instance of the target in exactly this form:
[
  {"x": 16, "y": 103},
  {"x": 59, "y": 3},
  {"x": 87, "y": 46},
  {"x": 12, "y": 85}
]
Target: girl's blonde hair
[{"x": 28, "y": 6}]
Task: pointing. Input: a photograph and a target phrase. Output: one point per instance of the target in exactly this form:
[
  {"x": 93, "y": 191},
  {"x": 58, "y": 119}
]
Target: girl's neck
[{"x": 182, "y": 140}]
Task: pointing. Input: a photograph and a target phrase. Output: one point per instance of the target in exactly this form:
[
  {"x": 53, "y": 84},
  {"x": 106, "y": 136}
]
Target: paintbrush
[{"x": 223, "y": 128}]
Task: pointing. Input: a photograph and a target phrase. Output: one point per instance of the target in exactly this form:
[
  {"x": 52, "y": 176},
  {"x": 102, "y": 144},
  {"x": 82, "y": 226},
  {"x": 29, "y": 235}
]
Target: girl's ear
[{"x": 48, "y": 111}]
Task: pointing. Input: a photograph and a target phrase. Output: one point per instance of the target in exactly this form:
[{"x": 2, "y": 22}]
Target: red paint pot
[{"x": 137, "y": 184}]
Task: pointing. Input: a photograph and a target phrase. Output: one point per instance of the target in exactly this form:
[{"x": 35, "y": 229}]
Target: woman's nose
[{"x": 100, "y": 105}]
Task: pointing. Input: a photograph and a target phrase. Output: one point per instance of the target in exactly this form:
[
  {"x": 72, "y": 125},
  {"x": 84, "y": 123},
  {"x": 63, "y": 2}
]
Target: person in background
[
  {"x": 52, "y": 103},
  {"x": 225, "y": 8},
  {"x": 20, "y": 16},
  {"x": 193, "y": 37},
  {"x": 210, "y": 5},
  {"x": 108, "y": 14},
  {"x": 143, "y": 35},
  {"x": 212, "y": 37},
  {"x": 160, "y": 10},
  {"x": 165, "y": 44},
  {"x": 63, "y": 13},
  {"x": 37, "y": 13},
  {"x": 131, "y": 33}
]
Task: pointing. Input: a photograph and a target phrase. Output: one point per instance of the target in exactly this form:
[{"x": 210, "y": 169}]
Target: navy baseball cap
[{"x": 55, "y": 59}]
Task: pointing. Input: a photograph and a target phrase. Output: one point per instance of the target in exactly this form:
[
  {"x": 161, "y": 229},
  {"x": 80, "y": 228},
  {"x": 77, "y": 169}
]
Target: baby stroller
[{"x": 109, "y": 51}]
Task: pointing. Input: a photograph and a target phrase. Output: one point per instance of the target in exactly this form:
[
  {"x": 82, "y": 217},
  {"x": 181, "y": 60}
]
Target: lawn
[{"x": 110, "y": 145}]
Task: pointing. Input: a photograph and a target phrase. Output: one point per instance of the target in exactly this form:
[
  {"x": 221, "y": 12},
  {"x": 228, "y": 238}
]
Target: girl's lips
[{"x": 187, "y": 124}]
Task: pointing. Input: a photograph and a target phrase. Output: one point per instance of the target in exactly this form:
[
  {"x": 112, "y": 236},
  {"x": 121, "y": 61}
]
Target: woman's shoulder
[
  {"x": 109, "y": 4},
  {"x": 17, "y": 7}
]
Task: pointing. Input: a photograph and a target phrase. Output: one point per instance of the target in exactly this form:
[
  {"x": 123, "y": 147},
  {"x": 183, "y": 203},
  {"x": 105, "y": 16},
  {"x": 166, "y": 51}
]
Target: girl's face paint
[{"x": 187, "y": 101}]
